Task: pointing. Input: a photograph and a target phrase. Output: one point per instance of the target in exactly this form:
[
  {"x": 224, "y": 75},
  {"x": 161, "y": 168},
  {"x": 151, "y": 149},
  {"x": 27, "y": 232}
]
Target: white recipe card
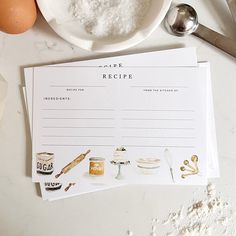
[{"x": 134, "y": 125}]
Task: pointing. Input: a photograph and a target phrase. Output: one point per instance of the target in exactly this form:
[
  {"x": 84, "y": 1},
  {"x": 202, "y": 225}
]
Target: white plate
[{"x": 55, "y": 13}]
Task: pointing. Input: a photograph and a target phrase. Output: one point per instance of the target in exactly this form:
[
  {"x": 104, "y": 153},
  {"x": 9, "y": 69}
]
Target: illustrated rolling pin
[
  {"x": 69, "y": 186},
  {"x": 72, "y": 164}
]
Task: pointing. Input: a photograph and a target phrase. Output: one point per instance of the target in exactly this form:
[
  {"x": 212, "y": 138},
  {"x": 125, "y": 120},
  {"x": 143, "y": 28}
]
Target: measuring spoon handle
[{"x": 218, "y": 40}]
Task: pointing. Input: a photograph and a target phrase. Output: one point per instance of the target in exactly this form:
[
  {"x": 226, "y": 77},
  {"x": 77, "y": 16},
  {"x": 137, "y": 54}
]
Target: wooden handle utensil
[
  {"x": 72, "y": 164},
  {"x": 69, "y": 186}
]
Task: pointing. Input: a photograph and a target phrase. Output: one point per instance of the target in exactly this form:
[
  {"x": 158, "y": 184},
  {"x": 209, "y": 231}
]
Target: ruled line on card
[
  {"x": 159, "y": 110},
  {"x": 164, "y": 128},
  {"x": 77, "y": 86},
  {"x": 77, "y": 136},
  {"x": 77, "y": 118},
  {"x": 75, "y": 127},
  {"x": 158, "y": 146},
  {"x": 77, "y": 109},
  {"x": 71, "y": 66},
  {"x": 156, "y": 137},
  {"x": 166, "y": 87},
  {"x": 75, "y": 145},
  {"x": 157, "y": 119}
]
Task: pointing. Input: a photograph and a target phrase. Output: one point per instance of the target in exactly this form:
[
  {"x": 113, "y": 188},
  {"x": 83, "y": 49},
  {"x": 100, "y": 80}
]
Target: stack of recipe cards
[{"x": 137, "y": 119}]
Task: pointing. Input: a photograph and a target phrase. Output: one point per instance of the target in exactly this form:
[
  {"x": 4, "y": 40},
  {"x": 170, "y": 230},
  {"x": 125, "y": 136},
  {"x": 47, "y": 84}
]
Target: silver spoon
[{"x": 182, "y": 20}]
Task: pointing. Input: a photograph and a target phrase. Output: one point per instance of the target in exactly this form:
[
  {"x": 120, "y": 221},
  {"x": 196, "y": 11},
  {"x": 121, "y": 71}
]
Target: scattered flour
[
  {"x": 130, "y": 233},
  {"x": 204, "y": 217},
  {"x": 109, "y": 18}
]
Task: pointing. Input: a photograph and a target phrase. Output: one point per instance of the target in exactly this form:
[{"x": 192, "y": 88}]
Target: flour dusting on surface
[
  {"x": 203, "y": 217},
  {"x": 209, "y": 216},
  {"x": 109, "y": 18},
  {"x": 130, "y": 233}
]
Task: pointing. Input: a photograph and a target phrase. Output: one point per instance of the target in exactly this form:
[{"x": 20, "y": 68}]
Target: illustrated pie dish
[{"x": 148, "y": 165}]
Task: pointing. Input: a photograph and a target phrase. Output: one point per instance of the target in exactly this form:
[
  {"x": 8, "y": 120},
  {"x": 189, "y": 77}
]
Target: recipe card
[{"x": 129, "y": 125}]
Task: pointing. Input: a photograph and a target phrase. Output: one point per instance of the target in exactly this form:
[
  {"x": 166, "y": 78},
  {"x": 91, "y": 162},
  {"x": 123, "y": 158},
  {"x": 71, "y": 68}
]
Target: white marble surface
[{"x": 112, "y": 212}]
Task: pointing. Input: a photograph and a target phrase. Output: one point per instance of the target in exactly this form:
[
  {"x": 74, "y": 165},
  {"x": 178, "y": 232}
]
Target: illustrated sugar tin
[
  {"x": 50, "y": 186},
  {"x": 45, "y": 163}
]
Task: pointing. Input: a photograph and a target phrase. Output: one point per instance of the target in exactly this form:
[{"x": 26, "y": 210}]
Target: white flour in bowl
[{"x": 109, "y": 18}]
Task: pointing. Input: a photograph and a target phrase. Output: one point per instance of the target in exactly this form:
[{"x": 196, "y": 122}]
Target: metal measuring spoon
[{"x": 182, "y": 20}]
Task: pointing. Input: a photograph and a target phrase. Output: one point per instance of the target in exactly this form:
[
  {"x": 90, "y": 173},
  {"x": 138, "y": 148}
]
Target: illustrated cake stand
[{"x": 119, "y": 163}]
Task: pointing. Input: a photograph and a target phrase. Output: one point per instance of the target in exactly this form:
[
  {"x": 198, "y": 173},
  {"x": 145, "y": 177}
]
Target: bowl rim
[
  {"x": 96, "y": 47},
  {"x": 148, "y": 160}
]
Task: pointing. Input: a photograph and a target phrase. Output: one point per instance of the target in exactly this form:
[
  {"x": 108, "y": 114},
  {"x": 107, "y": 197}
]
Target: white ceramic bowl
[
  {"x": 148, "y": 165},
  {"x": 54, "y": 13}
]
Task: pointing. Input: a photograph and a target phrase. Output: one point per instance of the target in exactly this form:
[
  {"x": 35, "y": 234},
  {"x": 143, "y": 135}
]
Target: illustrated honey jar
[{"x": 96, "y": 166}]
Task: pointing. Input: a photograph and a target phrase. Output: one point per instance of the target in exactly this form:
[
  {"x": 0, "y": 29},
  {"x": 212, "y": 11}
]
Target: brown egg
[{"x": 17, "y": 16}]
